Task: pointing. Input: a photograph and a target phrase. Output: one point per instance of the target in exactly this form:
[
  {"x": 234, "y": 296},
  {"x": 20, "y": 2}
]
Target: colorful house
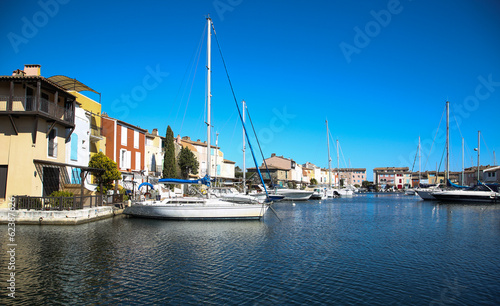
[{"x": 38, "y": 119}]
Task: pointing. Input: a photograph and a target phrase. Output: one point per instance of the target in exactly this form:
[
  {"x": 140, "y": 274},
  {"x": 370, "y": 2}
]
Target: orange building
[{"x": 125, "y": 144}]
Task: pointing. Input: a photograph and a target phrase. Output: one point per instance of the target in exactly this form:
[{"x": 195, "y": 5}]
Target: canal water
[{"x": 370, "y": 249}]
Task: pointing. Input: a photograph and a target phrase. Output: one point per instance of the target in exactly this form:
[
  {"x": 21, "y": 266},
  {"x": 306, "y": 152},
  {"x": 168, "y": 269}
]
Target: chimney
[
  {"x": 18, "y": 72},
  {"x": 273, "y": 154},
  {"x": 31, "y": 70},
  {"x": 155, "y": 132}
]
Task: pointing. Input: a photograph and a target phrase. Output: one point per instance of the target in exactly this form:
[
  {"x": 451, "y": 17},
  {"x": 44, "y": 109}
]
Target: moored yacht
[
  {"x": 479, "y": 193},
  {"x": 192, "y": 208},
  {"x": 294, "y": 194}
]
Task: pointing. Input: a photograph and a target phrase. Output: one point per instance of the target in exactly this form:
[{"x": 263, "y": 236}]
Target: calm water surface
[{"x": 370, "y": 249}]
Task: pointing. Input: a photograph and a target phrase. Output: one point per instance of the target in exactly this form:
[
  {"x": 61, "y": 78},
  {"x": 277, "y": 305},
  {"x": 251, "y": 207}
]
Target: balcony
[
  {"x": 29, "y": 106},
  {"x": 95, "y": 133}
]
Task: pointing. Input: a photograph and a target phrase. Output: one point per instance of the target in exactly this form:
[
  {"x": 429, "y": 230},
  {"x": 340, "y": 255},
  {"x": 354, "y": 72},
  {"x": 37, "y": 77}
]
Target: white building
[
  {"x": 154, "y": 154},
  {"x": 78, "y": 148}
]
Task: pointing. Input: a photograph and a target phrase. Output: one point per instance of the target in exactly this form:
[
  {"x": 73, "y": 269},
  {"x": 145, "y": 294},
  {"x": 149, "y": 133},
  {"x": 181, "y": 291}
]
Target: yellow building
[
  {"x": 92, "y": 107},
  {"x": 37, "y": 118}
]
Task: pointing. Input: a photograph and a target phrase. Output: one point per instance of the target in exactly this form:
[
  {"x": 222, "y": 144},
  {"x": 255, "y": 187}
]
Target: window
[
  {"x": 137, "y": 160},
  {"x": 125, "y": 161},
  {"x": 52, "y": 143},
  {"x": 3, "y": 180},
  {"x": 136, "y": 139},
  {"x": 124, "y": 136}
]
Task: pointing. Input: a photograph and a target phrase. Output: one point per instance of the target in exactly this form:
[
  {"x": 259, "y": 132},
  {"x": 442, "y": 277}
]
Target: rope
[
  {"x": 197, "y": 59},
  {"x": 258, "y": 143}
]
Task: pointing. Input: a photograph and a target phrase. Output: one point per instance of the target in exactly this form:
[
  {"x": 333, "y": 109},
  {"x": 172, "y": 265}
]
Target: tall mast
[
  {"x": 447, "y": 175},
  {"x": 329, "y": 158},
  {"x": 216, "y": 154},
  {"x": 419, "y": 161},
  {"x": 338, "y": 164},
  {"x": 244, "y": 147},
  {"x": 463, "y": 162},
  {"x": 209, "y": 95},
  {"x": 478, "y": 151}
]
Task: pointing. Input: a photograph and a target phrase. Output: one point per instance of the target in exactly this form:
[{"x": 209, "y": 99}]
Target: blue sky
[{"x": 379, "y": 71}]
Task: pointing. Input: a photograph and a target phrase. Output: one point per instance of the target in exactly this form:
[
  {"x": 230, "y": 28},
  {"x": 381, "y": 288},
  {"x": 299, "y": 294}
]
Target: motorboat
[
  {"x": 318, "y": 194},
  {"x": 479, "y": 193},
  {"x": 425, "y": 192},
  {"x": 294, "y": 194}
]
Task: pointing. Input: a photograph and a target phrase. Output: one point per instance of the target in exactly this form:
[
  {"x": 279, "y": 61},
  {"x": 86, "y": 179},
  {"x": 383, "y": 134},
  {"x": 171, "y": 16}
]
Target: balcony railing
[
  {"x": 57, "y": 203},
  {"x": 28, "y": 104},
  {"x": 95, "y": 131}
]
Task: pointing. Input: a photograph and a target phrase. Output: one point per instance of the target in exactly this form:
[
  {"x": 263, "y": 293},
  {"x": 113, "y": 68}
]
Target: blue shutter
[
  {"x": 75, "y": 176},
  {"x": 74, "y": 147}
]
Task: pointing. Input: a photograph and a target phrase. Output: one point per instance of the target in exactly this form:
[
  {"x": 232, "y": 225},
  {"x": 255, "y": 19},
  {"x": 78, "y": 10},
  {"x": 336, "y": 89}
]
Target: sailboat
[
  {"x": 426, "y": 193},
  {"x": 479, "y": 193},
  {"x": 198, "y": 208},
  {"x": 343, "y": 192}
]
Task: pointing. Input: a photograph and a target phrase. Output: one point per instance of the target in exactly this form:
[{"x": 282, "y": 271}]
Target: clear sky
[{"x": 379, "y": 71}]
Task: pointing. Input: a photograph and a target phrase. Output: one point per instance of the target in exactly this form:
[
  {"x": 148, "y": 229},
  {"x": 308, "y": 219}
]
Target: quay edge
[{"x": 65, "y": 217}]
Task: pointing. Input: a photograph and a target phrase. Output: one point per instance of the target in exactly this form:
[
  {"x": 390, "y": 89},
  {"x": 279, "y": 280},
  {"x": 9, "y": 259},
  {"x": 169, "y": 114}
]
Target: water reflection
[{"x": 368, "y": 249}]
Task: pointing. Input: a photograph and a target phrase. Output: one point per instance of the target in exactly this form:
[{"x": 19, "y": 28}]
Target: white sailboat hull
[
  {"x": 196, "y": 210},
  {"x": 467, "y": 196},
  {"x": 297, "y": 195}
]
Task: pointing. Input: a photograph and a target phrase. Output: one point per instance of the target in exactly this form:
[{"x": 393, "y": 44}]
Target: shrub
[{"x": 67, "y": 202}]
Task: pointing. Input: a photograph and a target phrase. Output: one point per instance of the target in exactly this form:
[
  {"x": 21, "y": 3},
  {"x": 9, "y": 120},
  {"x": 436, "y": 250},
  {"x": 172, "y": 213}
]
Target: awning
[{"x": 70, "y": 84}]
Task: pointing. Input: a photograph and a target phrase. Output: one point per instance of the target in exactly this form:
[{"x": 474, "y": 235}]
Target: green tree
[
  {"x": 238, "y": 173},
  {"x": 111, "y": 173},
  {"x": 314, "y": 181},
  {"x": 365, "y": 184},
  {"x": 187, "y": 162},
  {"x": 169, "y": 170}
]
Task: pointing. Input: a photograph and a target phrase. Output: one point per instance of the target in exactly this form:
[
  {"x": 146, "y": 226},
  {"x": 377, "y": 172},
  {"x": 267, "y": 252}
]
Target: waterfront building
[
  {"x": 470, "y": 175},
  {"x": 154, "y": 153},
  {"x": 125, "y": 144},
  {"x": 351, "y": 176},
  {"x": 294, "y": 171},
  {"x": 278, "y": 176},
  {"x": 78, "y": 147},
  {"x": 221, "y": 168},
  {"x": 396, "y": 177},
  {"x": 38, "y": 118},
  {"x": 313, "y": 171},
  {"x": 96, "y": 141},
  {"x": 491, "y": 175},
  {"x": 325, "y": 178}
]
